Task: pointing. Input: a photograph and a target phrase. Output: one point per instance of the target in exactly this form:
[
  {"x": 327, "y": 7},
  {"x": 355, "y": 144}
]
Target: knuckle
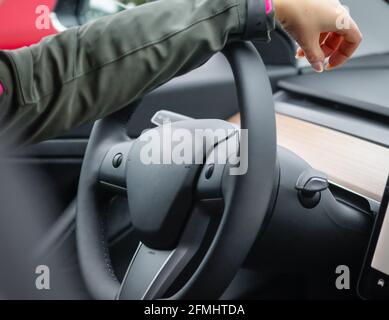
[
  {"x": 360, "y": 36},
  {"x": 315, "y": 55}
]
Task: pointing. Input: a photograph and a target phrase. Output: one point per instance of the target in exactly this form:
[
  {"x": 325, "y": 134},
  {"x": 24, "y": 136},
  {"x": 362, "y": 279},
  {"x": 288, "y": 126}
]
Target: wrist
[{"x": 279, "y": 6}]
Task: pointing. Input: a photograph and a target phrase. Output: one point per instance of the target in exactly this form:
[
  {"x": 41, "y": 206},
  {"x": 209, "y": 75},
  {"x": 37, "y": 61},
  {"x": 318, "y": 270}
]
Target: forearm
[{"x": 88, "y": 72}]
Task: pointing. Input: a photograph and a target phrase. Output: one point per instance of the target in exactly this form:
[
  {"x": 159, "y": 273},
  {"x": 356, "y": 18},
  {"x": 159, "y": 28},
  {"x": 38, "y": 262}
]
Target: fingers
[
  {"x": 338, "y": 46},
  {"x": 300, "y": 53},
  {"x": 351, "y": 39},
  {"x": 331, "y": 44},
  {"x": 313, "y": 52},
  {"x": 324, "y": 38}
]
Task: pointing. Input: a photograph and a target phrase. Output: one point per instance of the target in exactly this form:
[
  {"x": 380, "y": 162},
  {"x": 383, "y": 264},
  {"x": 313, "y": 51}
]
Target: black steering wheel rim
[{"x": 245, "y": 211}]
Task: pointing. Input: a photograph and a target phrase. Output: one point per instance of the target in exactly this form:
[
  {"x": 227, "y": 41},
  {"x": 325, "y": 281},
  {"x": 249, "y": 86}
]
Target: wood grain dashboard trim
[{"x": 353, "y": 163}]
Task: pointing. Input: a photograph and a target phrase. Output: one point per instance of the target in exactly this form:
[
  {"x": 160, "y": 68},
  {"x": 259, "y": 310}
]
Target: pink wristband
[
  {"x": 269, "y": 6},
  {"x": 1, "y": 89}
]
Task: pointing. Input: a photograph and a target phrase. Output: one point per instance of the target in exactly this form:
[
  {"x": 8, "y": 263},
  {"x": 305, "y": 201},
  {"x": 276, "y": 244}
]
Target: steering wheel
[{"x": 195, "y": 222}]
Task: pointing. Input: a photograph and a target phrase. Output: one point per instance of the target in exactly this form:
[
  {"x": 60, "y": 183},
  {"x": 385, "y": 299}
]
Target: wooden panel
[{"x": 354, "y": 163}]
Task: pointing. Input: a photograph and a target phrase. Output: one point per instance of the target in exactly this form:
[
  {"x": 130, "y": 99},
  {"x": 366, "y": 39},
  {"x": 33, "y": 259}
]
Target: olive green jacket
[{"x": 88, "y": 72}]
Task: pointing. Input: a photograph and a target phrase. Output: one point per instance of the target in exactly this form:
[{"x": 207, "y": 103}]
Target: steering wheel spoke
[{"x": 152, "y": 272}]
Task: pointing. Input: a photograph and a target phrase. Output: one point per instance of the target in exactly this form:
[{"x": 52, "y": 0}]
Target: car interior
[{"x": 318, "y": 155}]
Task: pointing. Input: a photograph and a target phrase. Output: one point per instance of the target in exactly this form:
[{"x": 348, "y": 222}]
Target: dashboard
[{"x": 351, "y": 162}]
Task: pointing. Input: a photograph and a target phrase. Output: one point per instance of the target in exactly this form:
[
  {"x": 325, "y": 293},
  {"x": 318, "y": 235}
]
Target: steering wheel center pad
[{"x": 160, "y": 194}]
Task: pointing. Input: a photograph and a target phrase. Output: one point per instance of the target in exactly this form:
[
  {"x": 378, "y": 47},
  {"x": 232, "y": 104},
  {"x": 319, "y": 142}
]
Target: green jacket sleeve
[{"x": 88, "y": 72}]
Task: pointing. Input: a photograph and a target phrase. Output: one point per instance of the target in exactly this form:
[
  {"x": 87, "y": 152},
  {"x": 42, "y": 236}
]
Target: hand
[{"x": 322, "y": 28}]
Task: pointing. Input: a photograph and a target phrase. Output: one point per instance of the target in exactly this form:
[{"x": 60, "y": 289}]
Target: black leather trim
[
  {"x": 258, "y": 23},
  {"x": 92, "y": 245}
]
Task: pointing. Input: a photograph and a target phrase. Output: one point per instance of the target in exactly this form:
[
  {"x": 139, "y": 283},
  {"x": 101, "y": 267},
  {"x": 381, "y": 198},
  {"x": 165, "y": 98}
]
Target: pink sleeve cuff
[
  {"x": 269, "y": 6},
  {"x": 1, "y": 89}
]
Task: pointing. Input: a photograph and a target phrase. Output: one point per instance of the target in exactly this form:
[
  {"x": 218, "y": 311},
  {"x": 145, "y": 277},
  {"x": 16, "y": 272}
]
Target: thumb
[{"x": 314, "y": 53}]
